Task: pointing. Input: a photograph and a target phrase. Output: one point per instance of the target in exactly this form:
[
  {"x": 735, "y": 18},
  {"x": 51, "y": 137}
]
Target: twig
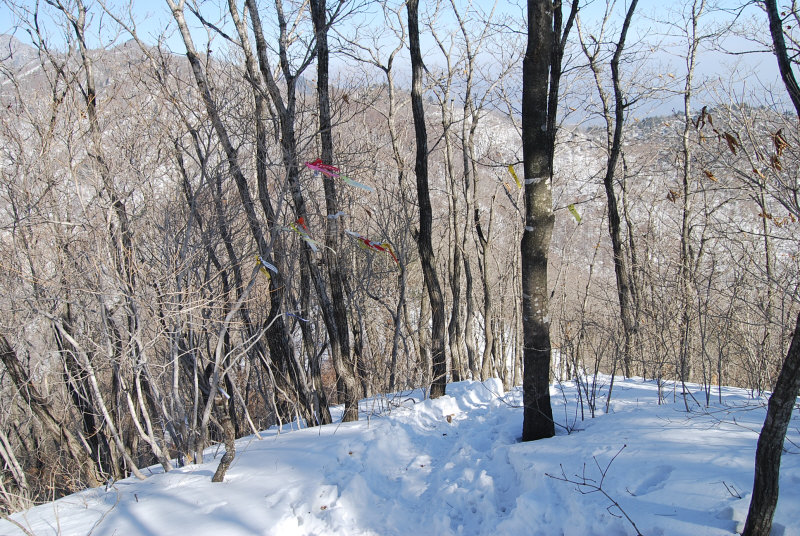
[
  {"x": 19, "y": 525},
  {"x": 102, "y": 517},
  {"x": 732, "y": 490},
  {"x": 588, "y": 485}
]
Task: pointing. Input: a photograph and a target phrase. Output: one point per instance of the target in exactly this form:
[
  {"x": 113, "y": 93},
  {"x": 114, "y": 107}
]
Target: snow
[{"x": 455, "y": 466}]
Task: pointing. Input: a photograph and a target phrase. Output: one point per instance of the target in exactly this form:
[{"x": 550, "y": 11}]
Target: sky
[{"x": 723, "y": 68}]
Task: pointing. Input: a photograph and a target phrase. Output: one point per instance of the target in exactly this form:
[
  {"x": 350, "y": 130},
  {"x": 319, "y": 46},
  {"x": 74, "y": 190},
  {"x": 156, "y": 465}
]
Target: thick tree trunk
[
  {"x": 424, "y": 242},
  {"x": 784, "y": 397},
  {"x": 539, "y": 219},
  {"x": 770, "y": 442}
]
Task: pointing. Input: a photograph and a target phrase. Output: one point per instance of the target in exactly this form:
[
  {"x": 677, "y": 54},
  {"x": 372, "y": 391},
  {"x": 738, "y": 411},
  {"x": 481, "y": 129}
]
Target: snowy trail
[{"x": 455, "y": 466}]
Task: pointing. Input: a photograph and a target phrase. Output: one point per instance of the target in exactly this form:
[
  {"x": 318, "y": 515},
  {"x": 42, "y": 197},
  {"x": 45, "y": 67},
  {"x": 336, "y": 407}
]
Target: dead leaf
[
  {"x": 702, "y": 119},
  {"x": 780, "y": 142},
  {"x": 732, "y": 142},
  {"x": 710, "y": 175}
]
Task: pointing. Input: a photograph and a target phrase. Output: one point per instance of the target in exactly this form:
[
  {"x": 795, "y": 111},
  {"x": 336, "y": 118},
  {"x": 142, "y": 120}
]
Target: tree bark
[
  {"x": 488, "y": 310},
  {"x": 230, "y": 439},
  {"x": 784, "y": 396},
  {"x": 779, "y": 48},
  {"x": 424, "y": 243},
  {"x": 770, "y": 442},
  {"x": 539, "y": 219},
  {"x": 340, "y": 339},
  {"x": 542, "y": 64}
]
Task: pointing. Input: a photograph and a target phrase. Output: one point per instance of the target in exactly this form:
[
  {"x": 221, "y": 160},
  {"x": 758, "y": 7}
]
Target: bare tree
[
  {"x": 784, "y": 396},
  {"x": 541, "y": 72},
  {"x": 614, "y": 116},
  {"x": 425, "y": 210}
]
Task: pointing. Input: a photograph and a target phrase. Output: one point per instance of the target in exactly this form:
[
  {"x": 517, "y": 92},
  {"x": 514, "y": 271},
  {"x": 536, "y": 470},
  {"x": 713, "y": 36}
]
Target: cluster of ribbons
[
  {"x": 332, "y": 172},
  {"x": 366, "y": 243},
  {"x": 300, "y": 228}
]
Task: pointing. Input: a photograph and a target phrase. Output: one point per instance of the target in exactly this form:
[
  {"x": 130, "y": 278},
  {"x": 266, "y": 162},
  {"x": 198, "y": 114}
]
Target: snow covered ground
[{"x": 455, "y": 466}]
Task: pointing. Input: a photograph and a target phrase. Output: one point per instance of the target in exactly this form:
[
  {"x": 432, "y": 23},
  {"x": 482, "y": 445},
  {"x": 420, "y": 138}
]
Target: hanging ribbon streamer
[
  {"x": 366, "y": 243},
  {"x": 326, "y": 169},
  {"x": 299, "y": 227},
  {"x": 574, "y": 212},
  {"x": 514, "y": 175},
  {"x": 356, "y": 184},
  {"x": 265, "y": 266},
  {"x": 333, "y": 172}
]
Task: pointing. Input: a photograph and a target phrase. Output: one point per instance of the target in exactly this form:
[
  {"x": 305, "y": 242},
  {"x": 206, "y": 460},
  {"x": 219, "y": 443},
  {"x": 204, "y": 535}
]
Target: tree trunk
[
  {"x": 536, "y": 148},
  {"x": 542, "y": 63},
  {"x": 424, "y": 335},
  {"x": 424, "y": 243},
  {"x": 688, "y": 285},
  {"x": 469, "y": 317},
  {"x": 779, "y": 47},
  {"x": 624, "y": 290},
  {"x": 784, "y": 397},
  {"x": 489, "y": 338},
  {"x": 230, "y": 439},
  {"x": 770, "y": 442},
  {"x": 339, "y": 335}
]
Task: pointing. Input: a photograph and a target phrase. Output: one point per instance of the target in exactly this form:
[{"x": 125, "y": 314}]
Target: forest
[{"x": 217, "y": 217}]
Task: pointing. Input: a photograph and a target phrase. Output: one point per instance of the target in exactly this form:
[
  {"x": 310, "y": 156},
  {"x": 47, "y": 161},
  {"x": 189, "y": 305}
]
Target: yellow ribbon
[{"x": 514, "y": 175}]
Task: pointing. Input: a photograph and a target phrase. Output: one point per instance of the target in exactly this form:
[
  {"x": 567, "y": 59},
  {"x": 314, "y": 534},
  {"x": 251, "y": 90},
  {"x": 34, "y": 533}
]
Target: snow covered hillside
[{"x": 455, "y": 466}]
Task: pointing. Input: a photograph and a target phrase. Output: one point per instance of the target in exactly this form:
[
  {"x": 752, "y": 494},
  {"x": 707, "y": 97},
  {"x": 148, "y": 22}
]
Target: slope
[{"x": 454, "y": 466}]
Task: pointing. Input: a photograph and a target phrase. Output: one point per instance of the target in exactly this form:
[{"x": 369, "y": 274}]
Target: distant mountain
[{"x": 15, "y": 53}]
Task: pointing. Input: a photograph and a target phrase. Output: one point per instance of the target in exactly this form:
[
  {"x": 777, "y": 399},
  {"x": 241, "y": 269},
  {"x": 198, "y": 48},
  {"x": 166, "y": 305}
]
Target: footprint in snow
[
  {"x": 658, "y": 477},
  {"x": 211, "y": 507}
]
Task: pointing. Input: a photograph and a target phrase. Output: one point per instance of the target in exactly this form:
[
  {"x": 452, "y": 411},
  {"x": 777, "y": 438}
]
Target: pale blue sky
[{"x": 750, "y": 72}]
